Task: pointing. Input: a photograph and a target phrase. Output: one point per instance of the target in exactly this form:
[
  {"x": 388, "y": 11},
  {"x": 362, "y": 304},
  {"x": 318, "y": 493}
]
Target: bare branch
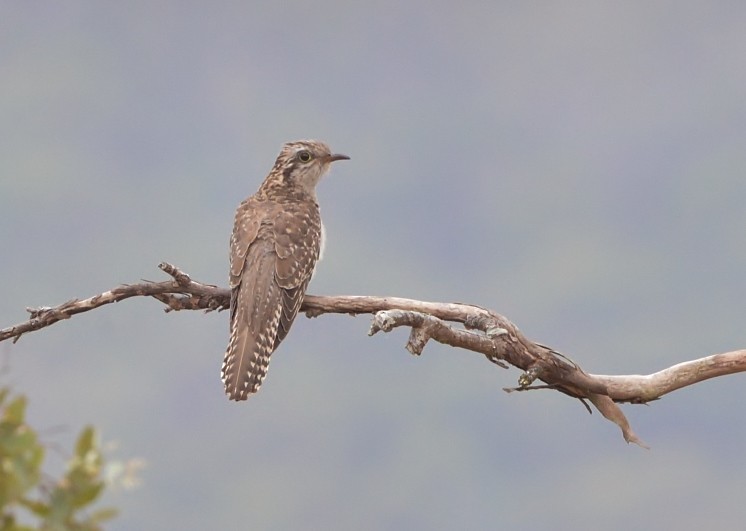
[
  {"x": 425, "y": 327},
  {"x": 209, "y": 297},
  {"x": 640, "y": 389},
  {"x": 481, "y": 330},
  {"x": 422, "y": 325},
  {"x": 612, "y": 412}
]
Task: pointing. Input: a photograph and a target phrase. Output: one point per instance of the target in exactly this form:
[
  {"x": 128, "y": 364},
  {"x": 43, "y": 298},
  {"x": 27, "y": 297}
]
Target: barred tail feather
[
  {"x": 245, "y": 364},
  {"x": 254, "y": 322}
]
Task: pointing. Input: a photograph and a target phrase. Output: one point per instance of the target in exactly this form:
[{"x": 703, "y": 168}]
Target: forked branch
[{"x": 478, "y": 329}]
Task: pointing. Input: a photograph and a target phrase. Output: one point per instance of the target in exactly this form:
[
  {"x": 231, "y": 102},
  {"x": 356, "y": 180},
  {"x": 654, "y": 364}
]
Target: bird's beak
[{"x": 337, "y": 156}]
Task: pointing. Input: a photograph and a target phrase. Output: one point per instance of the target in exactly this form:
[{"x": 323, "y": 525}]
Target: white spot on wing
[{"x": 322, "y": 243}]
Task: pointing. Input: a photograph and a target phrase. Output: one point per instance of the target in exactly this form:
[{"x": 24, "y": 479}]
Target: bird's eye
[{"x": 304, "y": 156}]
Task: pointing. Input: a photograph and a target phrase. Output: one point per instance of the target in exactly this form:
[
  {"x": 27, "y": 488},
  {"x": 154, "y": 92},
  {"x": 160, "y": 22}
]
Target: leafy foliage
[{"x": 60, "y": 504}]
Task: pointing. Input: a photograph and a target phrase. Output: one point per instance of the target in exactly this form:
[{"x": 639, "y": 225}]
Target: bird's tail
[{"x": 245, "y": 363}]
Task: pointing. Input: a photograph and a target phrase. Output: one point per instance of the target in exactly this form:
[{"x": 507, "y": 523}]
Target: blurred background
[{"x": 579, "y": 167}]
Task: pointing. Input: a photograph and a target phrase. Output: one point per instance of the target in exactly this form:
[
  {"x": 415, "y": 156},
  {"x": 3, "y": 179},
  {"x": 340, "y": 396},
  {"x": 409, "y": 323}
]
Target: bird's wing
[
  {"x": 297, "y": 244},
  {"x": 254, "y": 294},
  {"x": 256, "y": 306},
  {"x": 250, "y": 215},
  {"x": 245, "y": 229},
  {"x": 272, "y": 260}
]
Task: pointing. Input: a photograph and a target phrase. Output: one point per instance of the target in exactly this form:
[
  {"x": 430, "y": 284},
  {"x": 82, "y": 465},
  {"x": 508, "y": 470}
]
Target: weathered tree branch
[{"x": 484, "y": 331}]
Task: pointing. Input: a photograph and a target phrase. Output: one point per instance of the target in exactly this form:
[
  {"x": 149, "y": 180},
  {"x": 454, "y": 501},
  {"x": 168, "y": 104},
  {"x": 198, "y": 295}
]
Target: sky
[{"x": 578, "y": 167}]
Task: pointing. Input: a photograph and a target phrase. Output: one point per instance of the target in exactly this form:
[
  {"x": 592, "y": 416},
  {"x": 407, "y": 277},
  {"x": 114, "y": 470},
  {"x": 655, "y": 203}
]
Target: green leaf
[
  {"x": 82, "y": 495},
  {"x": 57, "y": 504},
  {"x": 86, "y": 442},
  {"x": 35, "y": 506},
  {"x": 4, "y": 392},
  {"x": 15, "y": 411},
  {"x": 8, "y": 523},
  {"x": 16, "y": 439},
  {"x": 102, "y": 515}
]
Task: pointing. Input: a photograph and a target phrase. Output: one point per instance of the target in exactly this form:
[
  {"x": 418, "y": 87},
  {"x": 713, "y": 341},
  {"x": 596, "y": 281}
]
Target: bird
[{"x": 277, "y": 240}]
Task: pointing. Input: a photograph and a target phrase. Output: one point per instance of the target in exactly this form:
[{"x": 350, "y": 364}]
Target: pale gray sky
[{"x": 577, "y": 166}]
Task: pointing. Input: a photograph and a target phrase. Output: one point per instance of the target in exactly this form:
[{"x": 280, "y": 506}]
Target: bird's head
[{"x": 303, "y": 163}]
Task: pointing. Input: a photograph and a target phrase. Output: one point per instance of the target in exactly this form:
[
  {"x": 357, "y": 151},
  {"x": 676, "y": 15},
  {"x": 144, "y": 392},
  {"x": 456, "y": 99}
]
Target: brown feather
[
  {"x": 275, "y": 245},
  {"x": 256, "y": 315}
]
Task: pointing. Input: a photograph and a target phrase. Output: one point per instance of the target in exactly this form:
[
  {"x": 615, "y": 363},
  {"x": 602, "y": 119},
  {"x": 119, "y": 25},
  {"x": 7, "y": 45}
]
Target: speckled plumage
[{"x": 276, "y": 243}]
